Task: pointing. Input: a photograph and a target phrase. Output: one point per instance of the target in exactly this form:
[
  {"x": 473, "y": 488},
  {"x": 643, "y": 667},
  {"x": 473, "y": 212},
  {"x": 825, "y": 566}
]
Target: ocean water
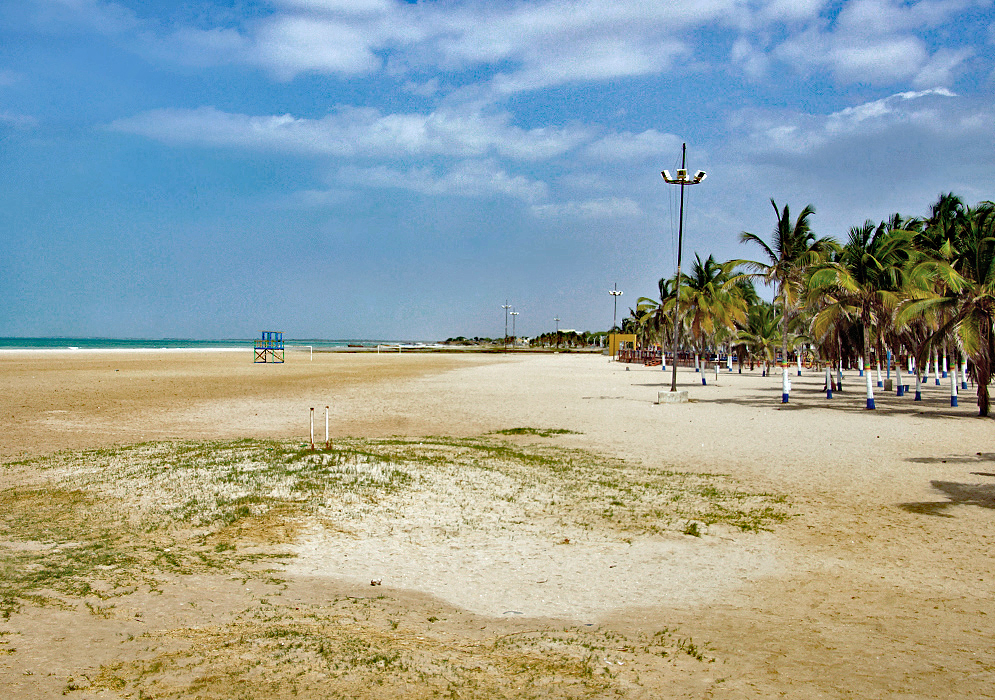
[{"x": 182, "y": 343}]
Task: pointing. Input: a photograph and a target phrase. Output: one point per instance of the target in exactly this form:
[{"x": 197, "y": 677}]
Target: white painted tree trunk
[
  {"x": 953, "y": 386},
  {"x": 870, "y": 384}
]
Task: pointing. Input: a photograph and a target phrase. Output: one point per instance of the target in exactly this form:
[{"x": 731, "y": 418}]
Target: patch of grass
[
  {"x": 540, "y": 432},
  {"x": 692, "y": 529},
  {"x": 315, "y": 652}
]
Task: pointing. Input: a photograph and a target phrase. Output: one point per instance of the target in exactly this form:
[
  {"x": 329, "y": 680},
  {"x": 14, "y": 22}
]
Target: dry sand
[{"x": 879, "y": 586}]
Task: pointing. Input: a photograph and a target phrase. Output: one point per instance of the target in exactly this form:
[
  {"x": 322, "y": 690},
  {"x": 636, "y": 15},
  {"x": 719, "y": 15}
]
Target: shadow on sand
[
  {"x": 805, "y": 399},
  {"x": 957, "y": 494}
]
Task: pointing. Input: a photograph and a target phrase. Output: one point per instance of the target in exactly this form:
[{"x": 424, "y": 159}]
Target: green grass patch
[{"x": 540, "y": 432}]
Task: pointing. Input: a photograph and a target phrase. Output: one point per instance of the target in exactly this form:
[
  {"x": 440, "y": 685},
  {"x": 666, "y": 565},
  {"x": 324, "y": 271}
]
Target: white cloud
[
  {"x": 602, "y": 208},
  {"x": 352, "y": 132},
  {"x": 627, "y": 146},
  {"x": 17, "y": 121},
  {"x": 804, "y": 133},
  {"x": 940, "y": 68},
  {"x": 880, "y": 42},
  {"x": 466, "y": 179},
  {"x": 855, "y": 58},
  {"x": 294, "y": 44},
  {"x": 108, "y": 18},
  {"x": 351, "y": 7},
  {"x": 9, "y": 77},
  {"x": 753, "y": 61}
]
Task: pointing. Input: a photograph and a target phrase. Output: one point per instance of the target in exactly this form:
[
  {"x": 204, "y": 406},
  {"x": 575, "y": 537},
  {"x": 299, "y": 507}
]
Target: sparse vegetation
[
  {"x": 88, "y": 529},
  {"x": 109, "y": 520}
]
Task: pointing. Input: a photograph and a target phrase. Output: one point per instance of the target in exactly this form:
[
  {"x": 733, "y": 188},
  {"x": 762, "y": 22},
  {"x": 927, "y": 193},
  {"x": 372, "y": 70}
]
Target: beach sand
[{"x": 877, "y": 585}]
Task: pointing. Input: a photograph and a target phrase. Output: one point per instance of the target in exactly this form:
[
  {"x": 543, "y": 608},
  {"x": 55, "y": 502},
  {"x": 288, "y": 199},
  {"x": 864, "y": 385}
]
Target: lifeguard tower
[{"x": 269, "y": 348}]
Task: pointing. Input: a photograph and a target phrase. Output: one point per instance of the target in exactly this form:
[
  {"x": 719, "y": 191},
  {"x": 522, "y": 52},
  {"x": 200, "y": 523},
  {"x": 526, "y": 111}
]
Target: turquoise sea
[{"x": 178, "y": 343}]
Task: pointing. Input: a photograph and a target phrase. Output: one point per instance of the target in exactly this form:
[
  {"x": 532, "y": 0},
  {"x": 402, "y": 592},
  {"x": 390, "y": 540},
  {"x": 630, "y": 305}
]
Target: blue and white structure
[
  {"x": 963, "y": 373},
  {"x": 870, "y": 387},
  {"x": 785, "y": 382},
  {"x": 953, "y": 387},
  {"x": 918, "y": 388},
  {"x": 898, "y": 379},
  {"x": 880, "y": 382}
]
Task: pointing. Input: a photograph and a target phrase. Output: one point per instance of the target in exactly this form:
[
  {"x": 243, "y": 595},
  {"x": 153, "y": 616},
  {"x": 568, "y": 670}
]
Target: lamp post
[
  {"x": 557, "y": 319},
  {"x": 682, "y": 179},
  {"x": 514, "y": 337},
  {"x": 506, "y": 306},
  {"x": 616, "y": 293}
]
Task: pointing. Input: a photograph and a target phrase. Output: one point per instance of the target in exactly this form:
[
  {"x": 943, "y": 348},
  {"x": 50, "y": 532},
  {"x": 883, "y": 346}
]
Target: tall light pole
[
  {"x": 682, "y": 179},
  {"x": 514, "y": 337},
  {"x": 557, "y": 319},
  {"x": 615, "y": 295},
  {"x": 506, "y": 306}
]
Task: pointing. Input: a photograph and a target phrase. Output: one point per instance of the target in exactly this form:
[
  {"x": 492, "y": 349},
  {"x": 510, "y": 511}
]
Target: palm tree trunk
[
  {"x": 785, "y": 385},
  {"x": 867, "y": 372},
  {"x": 983, "y": 365}
]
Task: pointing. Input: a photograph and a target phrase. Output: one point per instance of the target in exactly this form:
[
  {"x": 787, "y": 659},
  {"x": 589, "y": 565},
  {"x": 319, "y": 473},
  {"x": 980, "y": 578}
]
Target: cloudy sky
[{"x": 390, "y": 169}]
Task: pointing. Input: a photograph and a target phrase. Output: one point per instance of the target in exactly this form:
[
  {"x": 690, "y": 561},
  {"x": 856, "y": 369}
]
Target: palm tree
[
  {"x": 793, "y": 249},
  {"x": 713, "y": 299},
  {"x": 656, "y": 318},
  {"x": 960, "y": 293},
  {"x": 760, "y": 332},
  {"x": 863, "y": 284}
]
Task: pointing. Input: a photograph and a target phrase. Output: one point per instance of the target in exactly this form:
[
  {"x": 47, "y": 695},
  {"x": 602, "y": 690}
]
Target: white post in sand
[
  {"x": 953, "y": 386},
  {"x": 717, "y": 363},
  {"x": 963, "y": 373},
  {"x": 880, "y": 383},
  {"x": 312, "y": 428},
  {"x": 918, "y": 388},
  {"x": 328, "y": 442},
  {"x": 898, "y": 378},
  {"x": 798, "y": 359},
  {"x": 945, "y": 367}
]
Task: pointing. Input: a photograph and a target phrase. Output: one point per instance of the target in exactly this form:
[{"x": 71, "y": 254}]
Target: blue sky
[{"x": 388, "y": 169}]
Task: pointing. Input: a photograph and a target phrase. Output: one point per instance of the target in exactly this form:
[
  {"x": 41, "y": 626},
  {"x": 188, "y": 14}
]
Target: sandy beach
[{"x": 869, "y": 574}]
